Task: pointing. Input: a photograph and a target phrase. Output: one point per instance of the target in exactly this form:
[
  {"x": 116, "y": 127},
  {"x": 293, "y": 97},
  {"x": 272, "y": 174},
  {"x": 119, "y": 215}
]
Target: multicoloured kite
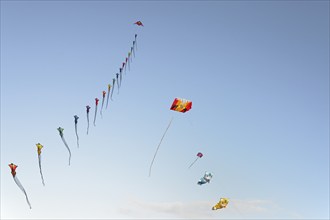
[
  {"x": 60, "y": 130},
  {"x": 96, "y": 104},
  {"x": 139, "y": 23},
  {"x": 39, "y": 147},
  {"x": 75, "y": 128},
  {"x": 199, "y": 155},
  {"x": 18, "y": 183},
  {"x": 181, "y": 105},
  {"x": 87, "y": 111},
  {"x": 223, "y": 202},
  {"x": 205, "y": 179},
  {"x": 120, "y": 74},
  {"x": 103, "y": 97}
]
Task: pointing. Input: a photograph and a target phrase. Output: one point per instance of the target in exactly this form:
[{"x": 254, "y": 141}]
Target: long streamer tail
[
  {"x": 42, "y": 177},
  {"x": 95, "y": 115},
  {"x": 102, "y": 107},
  {"x": 118, "y": 86},
  {"x": 120, "y": 76},
  {"x": 18, "y": 183},
  {"x": 106, "y": 107},
  {"x": 87, "y": 122},
  {"x": 67, "y": 148},
  {"x": 153, "y": 159},
  {"x": 113, "y": 87},
  {"x": 75, "y": 126},
  {"x": 193, "y": 162}
]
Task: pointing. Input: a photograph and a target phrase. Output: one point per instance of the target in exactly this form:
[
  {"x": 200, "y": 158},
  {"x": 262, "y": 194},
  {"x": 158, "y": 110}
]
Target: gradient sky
[{"x": 257, "y": 73}]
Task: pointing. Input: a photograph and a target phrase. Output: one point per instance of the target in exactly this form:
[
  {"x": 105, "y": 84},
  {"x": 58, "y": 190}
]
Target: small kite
[
  {"x": 181, "y": 105},
  {"x": 139, "y": 23},
  {"x": 18, "y": 183},
  {"x": 87, "y": 111},
  {"x": 199, "y": 155},
  {"x": 113, "y": 87},
  {"x": 133, "y": 48},
  {"x": 66, "y": 145},
  {"x": 109, "y": 88},
  {"x": 126, "y": 63},
  {"x": 135, "y": 41},
  {"x": 132, "y": 52},
  {"x": 130, "y": 56},
  {"x": 39, "y": 147},
  {"x": 205, "y": 179},
  {"x": 223, "y": 202},
  {"x": 120, "y": 76},
  {"x": 103, "y": 97},
  {"x": 117, "y": 77},
  {"x": 96, "y": 104},
  {"x": 75, "y": 128}
]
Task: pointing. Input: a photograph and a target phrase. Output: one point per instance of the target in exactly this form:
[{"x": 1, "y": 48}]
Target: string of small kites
[{"x": 179, "y": 105}]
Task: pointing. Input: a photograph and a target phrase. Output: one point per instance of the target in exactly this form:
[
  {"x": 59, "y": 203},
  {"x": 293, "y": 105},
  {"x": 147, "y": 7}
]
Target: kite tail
[
  {"x": 87, "y": 122},
  {"x": 102, "y": 108},
  {"x": 118, "y": 86},
  {"x": 113, "y": 87},
  {"x": 67, "y": 148},
  {"x": 18, "y": 183},
  {"x": 75, "y": 127},
  {"x": 106, "y": 107},
  {"x": 193, "y": 162},
  {"x": 159, "y": 146},
  {"x": 120, "y": 80},
  {"x": 95, "y": 115},
  {"x": 42, "y": 177}
]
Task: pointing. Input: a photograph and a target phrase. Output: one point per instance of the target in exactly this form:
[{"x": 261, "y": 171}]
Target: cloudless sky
[{"x": 257, "y": 73}]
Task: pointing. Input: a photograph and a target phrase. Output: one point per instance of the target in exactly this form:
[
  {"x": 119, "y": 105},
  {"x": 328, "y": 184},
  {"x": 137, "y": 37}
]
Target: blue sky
[{"x": 256, "y": 72}]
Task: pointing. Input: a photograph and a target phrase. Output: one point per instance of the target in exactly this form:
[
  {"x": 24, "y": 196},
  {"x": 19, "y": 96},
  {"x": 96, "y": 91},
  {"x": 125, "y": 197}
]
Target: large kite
[
  {"x": 180, "y": 105},
  {"x": 223, "y": 202},
  {"x": 60, "y": 130},
  {"x": 205, "y": 179},
  {"x": 18, "y": 183},
  {"x": 199, "y": 155},
  {"x": 39, "y": 147}
]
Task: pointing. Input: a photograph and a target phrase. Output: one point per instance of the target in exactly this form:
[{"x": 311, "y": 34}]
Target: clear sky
[{"x": 258, "y": 76}]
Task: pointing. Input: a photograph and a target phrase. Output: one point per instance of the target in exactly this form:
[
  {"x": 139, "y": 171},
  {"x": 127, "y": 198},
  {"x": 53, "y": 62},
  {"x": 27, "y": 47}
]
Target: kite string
[{"x": 159, "y": 146}]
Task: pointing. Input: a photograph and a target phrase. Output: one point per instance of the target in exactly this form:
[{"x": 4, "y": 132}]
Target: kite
[
  {"x": 181, "y": 105},
  {"x": 117, "y": 77},
  {"x": 129, "y": 56},
  {"x": 113, "y": 87},
  {"x": 135, "y": 41},
  {"x": 199, "y": 155},
  {"x": 109, "y": 88},
  {"x": 126, "y": 63},
  {"x": 96, "y": 103},
  {"x": 205, "y": 179},
  {"x": 87, "y": 110},
  {"x": 128, "y": 59},
  {"x": 133, "y": 48},
  {"x": 39, "y": 147},
  {"x": 66, "y": 145},
  {"x": 223, "y": 202},
  {"x": 103, "y": 96},
  {"x": 139, "y": 23},
  {"x": 18, "y": 183},
  {"x": 132, "y": 52},
  {"x": 120, "y": 74},
  {"x": 75, "y": 128}
]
